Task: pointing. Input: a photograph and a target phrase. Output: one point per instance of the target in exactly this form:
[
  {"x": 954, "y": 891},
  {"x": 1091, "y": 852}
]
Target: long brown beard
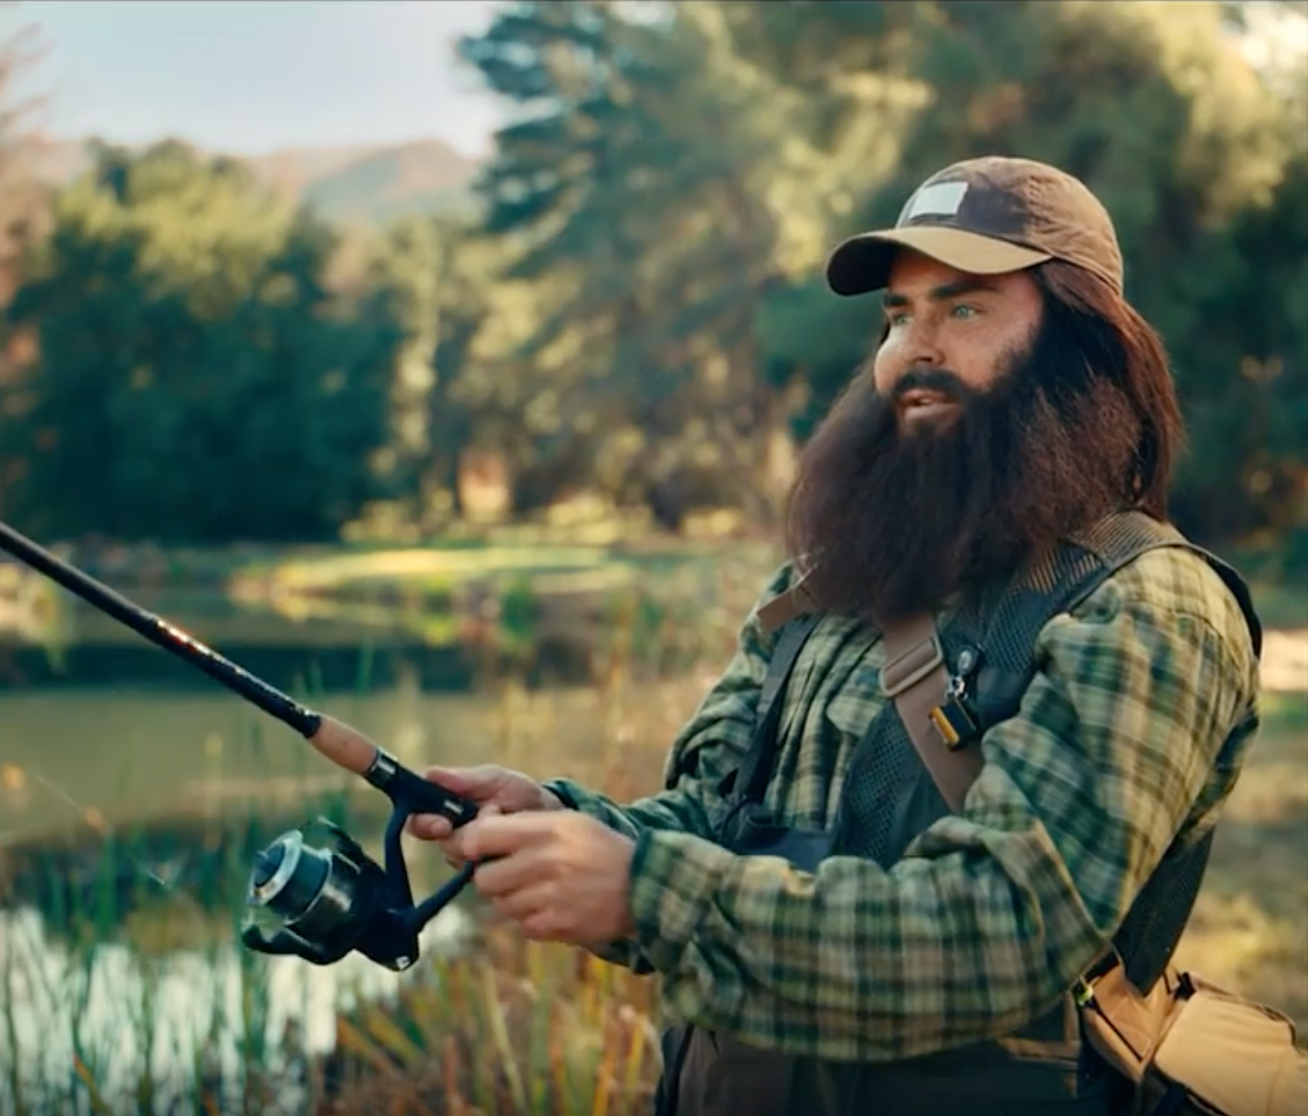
[{"x": 895, "y": 523}]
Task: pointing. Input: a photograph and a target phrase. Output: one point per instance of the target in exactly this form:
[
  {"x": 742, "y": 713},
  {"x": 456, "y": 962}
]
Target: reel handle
[
  {"x": 282, "y": 943},
  {"x": 411, "y": 794}
]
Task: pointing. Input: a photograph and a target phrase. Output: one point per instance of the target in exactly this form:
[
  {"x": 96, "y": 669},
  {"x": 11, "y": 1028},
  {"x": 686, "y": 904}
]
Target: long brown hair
[{"x": 1117, "y": 344}]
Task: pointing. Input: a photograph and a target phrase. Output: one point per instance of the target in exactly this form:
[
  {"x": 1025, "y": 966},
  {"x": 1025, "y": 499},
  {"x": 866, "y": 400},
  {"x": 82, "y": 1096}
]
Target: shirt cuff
[
  {"x": 673, "y": 879},
  {"x": 561, "y": 790}
]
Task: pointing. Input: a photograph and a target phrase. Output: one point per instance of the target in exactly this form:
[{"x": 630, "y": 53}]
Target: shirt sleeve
[
  {"x": 990, "y": 916},
  {"x": 710, "y": 746}
]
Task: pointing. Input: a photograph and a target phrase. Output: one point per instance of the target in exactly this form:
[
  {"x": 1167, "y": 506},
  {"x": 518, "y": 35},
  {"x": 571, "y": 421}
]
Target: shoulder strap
[
  {"x": 915, "y": 675},
  {"x": 751, "y": 780},
  {"x": 917, "y": 679}
]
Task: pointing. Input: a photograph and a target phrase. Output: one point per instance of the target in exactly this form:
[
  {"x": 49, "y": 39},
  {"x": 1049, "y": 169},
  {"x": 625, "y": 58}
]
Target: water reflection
[
  {"x": 101, "y": 732},
  {"x": 89, "y": 756},
  {"x": 105, "y": 1003}
]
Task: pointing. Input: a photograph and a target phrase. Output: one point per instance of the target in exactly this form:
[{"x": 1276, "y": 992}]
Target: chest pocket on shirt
[
  {"x": 858, "y": 700},
  {"x": 847, "y": 717}
]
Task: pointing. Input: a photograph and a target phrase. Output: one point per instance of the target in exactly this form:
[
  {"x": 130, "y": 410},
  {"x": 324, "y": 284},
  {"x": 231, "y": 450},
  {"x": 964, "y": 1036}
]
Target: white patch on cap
[{"x": 941, "y": 199}]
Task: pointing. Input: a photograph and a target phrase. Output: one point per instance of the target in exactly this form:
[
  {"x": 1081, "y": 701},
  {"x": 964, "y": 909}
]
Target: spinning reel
[{"x": 329, "y": 901}]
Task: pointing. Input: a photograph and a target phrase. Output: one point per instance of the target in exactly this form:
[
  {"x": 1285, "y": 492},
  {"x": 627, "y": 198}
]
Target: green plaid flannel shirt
[{"x": 990, "y": 916}]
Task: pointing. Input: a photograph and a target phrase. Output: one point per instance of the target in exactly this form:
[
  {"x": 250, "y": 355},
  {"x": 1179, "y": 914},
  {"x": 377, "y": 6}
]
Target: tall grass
[
  {"x": 135, "y": 998},
  {"x": 515, "y": 1028}
]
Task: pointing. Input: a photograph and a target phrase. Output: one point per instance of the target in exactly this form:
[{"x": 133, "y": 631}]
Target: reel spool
[
  {"x": 319, "y": 900},
  {"x": 319, "y": 903}
]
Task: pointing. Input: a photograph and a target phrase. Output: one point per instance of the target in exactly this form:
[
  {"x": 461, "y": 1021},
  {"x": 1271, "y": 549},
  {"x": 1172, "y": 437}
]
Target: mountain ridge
[{"x": 361, "y": 185}]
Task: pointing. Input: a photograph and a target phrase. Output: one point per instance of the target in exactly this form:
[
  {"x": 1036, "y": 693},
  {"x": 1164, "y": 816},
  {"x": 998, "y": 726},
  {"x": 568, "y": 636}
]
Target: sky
[{"x": 252, "y": 76}]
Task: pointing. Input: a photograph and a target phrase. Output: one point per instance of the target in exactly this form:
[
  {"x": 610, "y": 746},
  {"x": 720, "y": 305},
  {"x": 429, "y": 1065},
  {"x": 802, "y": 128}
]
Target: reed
[
  {"x": 517, "y": 1028},
  {"x": 133, "y": 998}
]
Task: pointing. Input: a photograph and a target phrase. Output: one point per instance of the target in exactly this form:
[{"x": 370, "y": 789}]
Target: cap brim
[{"x": 862, "y": 263}]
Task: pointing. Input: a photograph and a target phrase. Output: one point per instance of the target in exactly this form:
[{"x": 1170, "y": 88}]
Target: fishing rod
[{"x": 325, "y": 902}]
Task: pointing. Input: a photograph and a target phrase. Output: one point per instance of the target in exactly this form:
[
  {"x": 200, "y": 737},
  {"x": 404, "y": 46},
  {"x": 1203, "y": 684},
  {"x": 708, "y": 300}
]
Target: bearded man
[{"x": 835, "y": 925}]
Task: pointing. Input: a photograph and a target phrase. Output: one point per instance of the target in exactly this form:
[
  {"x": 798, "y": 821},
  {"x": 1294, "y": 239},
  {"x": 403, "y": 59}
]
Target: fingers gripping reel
[{"x": 327, "y": 901}]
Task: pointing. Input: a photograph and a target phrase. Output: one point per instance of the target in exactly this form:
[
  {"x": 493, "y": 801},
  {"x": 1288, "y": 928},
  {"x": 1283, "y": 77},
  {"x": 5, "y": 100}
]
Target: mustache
[{"x": 932, "y": 379}]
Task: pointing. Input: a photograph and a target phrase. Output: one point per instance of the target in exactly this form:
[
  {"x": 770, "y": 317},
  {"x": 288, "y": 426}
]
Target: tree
[
  {"x": 428, "y": 275},
  {"x": 191, "y": 380},
  {"x": 22, "y": 196},
  {"x": 643, "y": 186}
]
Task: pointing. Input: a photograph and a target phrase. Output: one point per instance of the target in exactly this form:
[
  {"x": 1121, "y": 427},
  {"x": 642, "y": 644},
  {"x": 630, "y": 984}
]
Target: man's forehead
[
  {"x": 914, "y": 269},
  {"x": 915, "y": 275}
]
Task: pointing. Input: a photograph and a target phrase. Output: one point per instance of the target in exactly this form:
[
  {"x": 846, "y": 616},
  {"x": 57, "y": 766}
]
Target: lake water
[{"x": 106, "y": 739}]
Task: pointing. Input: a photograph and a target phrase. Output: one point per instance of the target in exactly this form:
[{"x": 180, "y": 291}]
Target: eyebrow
[{"x": 944, "y": 292}]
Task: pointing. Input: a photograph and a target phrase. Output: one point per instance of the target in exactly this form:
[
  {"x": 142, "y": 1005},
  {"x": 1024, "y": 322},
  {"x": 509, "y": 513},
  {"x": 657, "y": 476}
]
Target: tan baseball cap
[{"x": 986, "y": 216}]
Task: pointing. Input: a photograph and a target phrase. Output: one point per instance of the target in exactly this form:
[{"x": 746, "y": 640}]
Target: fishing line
[{"x": 95, "y": 821}]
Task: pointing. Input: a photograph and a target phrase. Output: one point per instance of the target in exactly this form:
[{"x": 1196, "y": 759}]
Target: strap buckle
[
  {"x": 907, "y": 670},
  {"x": 1083, "y": 988}
]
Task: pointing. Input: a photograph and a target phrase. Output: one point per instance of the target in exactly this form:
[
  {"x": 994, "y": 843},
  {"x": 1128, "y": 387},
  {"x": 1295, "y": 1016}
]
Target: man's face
[{"x": 949, "y": 336}]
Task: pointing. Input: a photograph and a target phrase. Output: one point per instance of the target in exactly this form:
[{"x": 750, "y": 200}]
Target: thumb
[{"x": 471, "y": 782}]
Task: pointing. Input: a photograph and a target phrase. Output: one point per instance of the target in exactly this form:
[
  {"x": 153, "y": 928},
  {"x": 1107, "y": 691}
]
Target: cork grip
[{"x": 345, "y": 746}]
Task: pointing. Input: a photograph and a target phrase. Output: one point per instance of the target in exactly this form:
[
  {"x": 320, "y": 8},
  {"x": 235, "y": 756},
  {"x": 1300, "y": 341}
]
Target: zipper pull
[{"x": 951, "y": 718}]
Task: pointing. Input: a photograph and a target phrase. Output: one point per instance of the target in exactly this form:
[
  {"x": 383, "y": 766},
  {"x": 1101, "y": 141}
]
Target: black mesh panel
[
  {"x": 1156, "y": 920},
  {"x": 888, "y": 797}
]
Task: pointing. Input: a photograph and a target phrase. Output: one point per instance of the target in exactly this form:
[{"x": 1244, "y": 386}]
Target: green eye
[{"x": 962, "y": 310}]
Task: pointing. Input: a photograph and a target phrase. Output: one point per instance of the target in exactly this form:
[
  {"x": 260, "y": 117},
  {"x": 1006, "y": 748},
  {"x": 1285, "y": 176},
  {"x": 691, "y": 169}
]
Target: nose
[
  {"x": 914, "y": 346},
  {"x": 921, "y": 347}
]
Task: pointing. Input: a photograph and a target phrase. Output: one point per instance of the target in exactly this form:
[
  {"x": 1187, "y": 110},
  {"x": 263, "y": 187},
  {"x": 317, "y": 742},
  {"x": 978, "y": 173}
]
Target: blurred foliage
[
  {"x": 22, "y": 196},
  {"x": 636, "y": 307}
]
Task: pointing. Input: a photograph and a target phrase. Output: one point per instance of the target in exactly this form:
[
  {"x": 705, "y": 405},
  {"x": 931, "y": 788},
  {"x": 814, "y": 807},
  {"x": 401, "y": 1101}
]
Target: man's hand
[
  {"x": 493, "y": 789},
  {"x": 563, "y": 876}
]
